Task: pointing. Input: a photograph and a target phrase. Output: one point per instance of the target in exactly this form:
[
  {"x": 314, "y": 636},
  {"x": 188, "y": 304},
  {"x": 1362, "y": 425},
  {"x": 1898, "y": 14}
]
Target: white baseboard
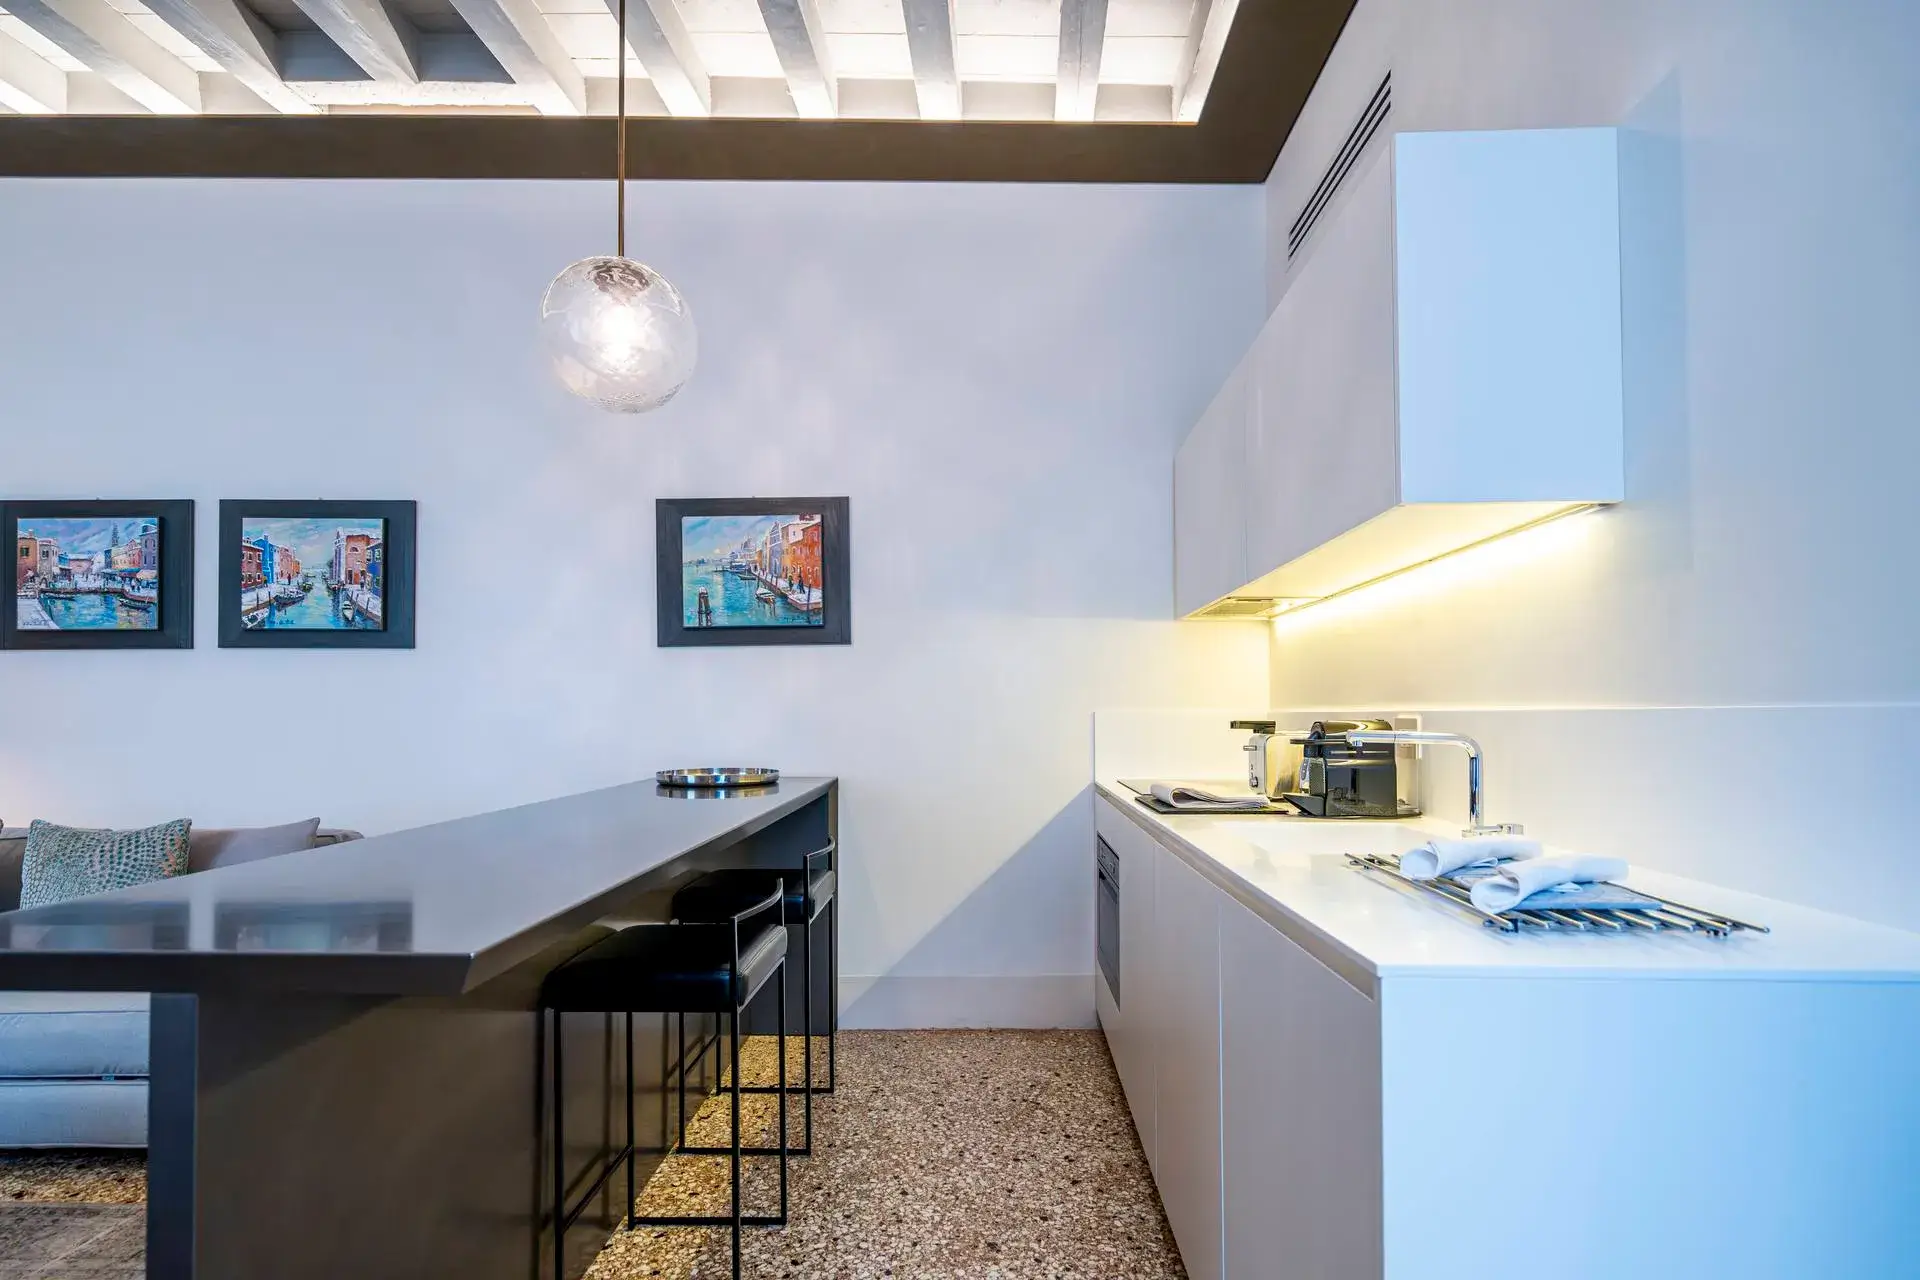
[{"x": 887, "y": 1002}]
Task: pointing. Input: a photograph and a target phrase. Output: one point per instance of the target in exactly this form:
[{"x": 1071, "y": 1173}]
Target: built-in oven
[{"x": 1107, "y": 917}]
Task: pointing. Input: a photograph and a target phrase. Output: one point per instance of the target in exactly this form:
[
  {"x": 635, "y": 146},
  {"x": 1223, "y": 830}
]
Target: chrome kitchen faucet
[
  {"x": 1264, "y": 731},
  {"x": 1476, "y": 780}
]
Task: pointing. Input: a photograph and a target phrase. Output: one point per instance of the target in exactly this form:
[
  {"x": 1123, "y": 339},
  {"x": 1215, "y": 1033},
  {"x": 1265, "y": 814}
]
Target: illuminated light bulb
[{"x": 619, "y": 334}]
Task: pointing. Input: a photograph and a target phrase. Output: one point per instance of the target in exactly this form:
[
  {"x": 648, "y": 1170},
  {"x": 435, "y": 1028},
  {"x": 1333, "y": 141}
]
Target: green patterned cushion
[{"x": 72, "y": 862}]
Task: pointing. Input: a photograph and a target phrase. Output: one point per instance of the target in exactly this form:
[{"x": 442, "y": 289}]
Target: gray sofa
[{"x": 73, "y": 1066}]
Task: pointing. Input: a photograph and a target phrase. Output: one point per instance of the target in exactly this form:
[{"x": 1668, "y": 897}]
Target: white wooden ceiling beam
[
  {"x": 936, "y": 82},
  {"x": 1083, "y": 36},
  {"x": 802, "y": 49},
  {"x": 245, "y": 47},
  {"x": 384, "y": 45},
  {"x": 101, "y": 39},
  {"x": 658, "y": 37},
  {"x": 1206, "y": 37},
  {"x": 518, "y": 35},
  {"x": 29, "y": 84}
]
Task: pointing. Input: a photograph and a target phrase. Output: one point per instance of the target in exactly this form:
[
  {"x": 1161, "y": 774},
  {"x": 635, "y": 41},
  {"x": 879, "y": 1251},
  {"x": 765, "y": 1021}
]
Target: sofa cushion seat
[{"x": 62, "y": 1035}]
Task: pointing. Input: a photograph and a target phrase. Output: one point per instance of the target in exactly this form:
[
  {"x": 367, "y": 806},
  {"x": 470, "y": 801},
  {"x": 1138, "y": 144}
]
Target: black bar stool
[
  {"x": 718, "y": 894},
  {"x": 711, "y": 967}
]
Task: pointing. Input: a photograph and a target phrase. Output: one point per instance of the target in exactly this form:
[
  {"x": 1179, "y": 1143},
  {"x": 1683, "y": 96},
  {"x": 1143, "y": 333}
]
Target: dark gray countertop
[{"x": 437, "y": 910}]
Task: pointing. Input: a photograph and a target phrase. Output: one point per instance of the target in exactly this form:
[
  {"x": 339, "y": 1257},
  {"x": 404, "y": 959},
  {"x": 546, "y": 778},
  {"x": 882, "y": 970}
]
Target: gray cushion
[
  {"x": 46, "y": 1035},
  {"x": 62, "y": 863},
  {"x": 230, "y": 846}
]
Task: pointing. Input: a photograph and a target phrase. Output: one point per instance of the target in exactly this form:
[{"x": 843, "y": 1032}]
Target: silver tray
[{"x": 735, "y": 776}]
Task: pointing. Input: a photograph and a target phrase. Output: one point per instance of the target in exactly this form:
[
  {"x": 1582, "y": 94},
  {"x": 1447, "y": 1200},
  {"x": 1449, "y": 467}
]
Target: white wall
[
  {"x": 1761, "y": 574},
  {"x": 996, "y": 376}
]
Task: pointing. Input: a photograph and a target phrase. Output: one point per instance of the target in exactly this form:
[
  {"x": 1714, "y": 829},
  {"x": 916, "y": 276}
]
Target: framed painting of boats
[
  {"x": 98, "y": 575},
  {"x": 752, "y": 571},
  {"x": 316, "y": 575}
]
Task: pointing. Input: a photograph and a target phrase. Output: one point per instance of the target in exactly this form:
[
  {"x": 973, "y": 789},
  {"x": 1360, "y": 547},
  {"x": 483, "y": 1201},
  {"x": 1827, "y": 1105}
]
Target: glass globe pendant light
[{"x": 618, "y": 332}]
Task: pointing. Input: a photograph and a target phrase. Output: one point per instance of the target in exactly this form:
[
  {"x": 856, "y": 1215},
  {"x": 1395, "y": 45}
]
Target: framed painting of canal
[
  {"x": 98, "y": 575},
  {"x": 316, "y": 575},
  {"x": 753, "y": 571}
]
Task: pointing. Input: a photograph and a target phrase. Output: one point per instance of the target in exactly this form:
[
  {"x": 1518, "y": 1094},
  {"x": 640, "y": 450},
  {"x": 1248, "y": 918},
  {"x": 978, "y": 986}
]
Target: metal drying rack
[{"x": 1669, "y": 915}]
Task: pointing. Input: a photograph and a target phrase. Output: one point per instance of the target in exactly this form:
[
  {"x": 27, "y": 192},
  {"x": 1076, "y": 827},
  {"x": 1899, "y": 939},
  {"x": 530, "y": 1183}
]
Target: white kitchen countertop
[{"x": 1291, "y": 872}]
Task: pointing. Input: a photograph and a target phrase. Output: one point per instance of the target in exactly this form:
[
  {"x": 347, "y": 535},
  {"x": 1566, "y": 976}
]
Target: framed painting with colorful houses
[
  {"x": 316, "y": 575},
  {"x": 98, "y": 575},
  {"x": 753, "y": 571}
]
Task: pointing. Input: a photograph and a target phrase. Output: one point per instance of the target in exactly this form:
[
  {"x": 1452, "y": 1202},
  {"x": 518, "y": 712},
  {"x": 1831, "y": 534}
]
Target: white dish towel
[
  {"x": 1440, "y": 855},
  {"x": 1514, "y": 883}
]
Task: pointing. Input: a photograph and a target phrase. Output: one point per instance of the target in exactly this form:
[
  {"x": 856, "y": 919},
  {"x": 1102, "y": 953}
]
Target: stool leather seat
[
  {"x": 719, "y": 895},
  {"x": 667, "y": 967}
]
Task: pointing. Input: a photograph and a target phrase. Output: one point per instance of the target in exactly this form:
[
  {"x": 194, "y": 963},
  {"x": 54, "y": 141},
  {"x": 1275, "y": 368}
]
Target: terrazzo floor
[{"x": 943, "y": 1155}]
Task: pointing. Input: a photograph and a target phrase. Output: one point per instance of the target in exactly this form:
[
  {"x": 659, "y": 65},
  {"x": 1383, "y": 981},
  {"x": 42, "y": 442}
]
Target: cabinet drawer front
[{"x": 1300, "y": 1096}]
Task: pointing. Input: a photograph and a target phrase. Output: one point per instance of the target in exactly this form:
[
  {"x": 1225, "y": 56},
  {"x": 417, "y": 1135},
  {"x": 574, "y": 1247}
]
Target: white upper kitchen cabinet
[
  {"x": 1210, "y": 555},
  {"x": 1444, "y": 367},
  {"x": 1321, "y": 445}
]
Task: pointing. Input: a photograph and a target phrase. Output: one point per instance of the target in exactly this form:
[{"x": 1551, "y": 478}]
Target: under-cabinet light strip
[{"x": 1288, "y": 608}]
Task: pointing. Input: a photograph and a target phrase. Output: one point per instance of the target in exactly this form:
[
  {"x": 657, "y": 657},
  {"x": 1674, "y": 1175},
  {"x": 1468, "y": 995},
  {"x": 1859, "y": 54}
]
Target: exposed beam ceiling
[
  {"x": 1206, "y": 37},
  {"x": 101, "y": 39},
  {"x": 29, "y": 83},
  {"x": 658, "y": 37},
  {"x": 245, "y": 47},
  {"x": 800, "y": 43},
  {"x": 1083, "y": 37},
  {"x": 936, "y": 80},
  {"x": 1155, "y": 58},
  {"x": 385, "y": 46},
  {"x": 521, "y": 40}
]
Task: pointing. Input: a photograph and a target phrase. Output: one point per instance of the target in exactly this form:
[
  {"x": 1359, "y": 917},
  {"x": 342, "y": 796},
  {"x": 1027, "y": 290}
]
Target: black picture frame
[
  {"x": 173, "y": 519},
  {"x": 836, "y": 587},
  {"x": 400, "y": 552}
]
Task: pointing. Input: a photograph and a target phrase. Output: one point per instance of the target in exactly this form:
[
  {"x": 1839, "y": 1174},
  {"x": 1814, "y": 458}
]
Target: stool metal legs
[
  {"x": 833, "y": 992},
  {"x": 560, "y": 1150},
  {"x": 808, "y": 1088},
  {"x": 733, "y": 1033},
  {"x": 736, "y": 1216},
  {"x": 629, "y": 1093}
]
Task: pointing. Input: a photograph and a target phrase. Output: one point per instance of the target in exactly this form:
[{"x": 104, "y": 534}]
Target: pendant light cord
[{"x": 620, "y": 144}]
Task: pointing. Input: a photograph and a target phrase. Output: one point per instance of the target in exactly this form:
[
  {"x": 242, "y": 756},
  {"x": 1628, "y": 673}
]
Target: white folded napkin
[
  {"x": 1514, "y": 883},
  {"x": 1440, "y": 855}
]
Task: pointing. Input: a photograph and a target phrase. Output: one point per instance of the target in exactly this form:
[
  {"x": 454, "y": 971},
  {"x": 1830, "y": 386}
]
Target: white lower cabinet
[
  {"x": 1304, "y": 1127},
  {"x": 1253, "y": 1075},
  {"x": 1300, "y": 1089},
  {"x": 1129, "y": 1025},
  {"x": 1187, "y": 1060}
]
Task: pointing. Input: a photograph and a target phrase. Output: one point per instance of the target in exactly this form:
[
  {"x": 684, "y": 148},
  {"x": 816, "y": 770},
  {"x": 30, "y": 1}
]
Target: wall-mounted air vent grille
[{"x": 1342, "y": 164}]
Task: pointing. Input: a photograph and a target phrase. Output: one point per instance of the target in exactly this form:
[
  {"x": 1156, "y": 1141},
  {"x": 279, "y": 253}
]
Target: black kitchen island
[{"x": 348, "y": 1063}]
